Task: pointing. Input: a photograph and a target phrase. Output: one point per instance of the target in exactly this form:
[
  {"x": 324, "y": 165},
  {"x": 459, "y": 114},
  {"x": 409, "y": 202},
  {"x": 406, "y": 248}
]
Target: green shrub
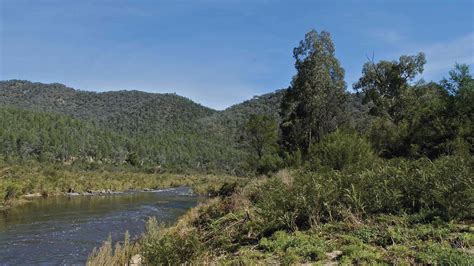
[
  {"x": 225, "y": 190},
  {"x": 435, "y": 253},
  {"x": 276, "y": 204},
  {"x": 361, "y": 254},
  {"x": 269, "y": 163},
  {"x": 160, "y": 247},
  {"x": 442, "y": 189},
  {"x": 295, "y": 247},
  {"x": 340, "y": 150},
  {"x": 12, "y": 191}
]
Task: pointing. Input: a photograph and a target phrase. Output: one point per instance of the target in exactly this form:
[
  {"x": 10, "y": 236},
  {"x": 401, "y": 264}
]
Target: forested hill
[
  {"x": 143, "y": 128},
  {"x": 230, "y": 121},
  {"x": 125, "y": 111}
]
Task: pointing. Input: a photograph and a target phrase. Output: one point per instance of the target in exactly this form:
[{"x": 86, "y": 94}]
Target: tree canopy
[{"x": 313, "y": 104}]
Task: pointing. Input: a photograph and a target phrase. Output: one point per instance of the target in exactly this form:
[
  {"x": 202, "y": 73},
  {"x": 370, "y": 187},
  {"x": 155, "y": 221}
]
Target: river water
[{"x": 64, "y": 230}]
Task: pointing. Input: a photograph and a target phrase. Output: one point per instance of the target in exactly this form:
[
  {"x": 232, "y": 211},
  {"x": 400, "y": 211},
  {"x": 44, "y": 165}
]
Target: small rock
[
  {"x": 33, "y": 195},
  {"x": 136, "y": 260},
  {"x": 334, "y": 255}
]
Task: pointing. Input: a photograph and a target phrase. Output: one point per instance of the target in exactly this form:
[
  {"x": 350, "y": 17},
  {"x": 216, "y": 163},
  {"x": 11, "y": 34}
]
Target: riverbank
[
  {"x": 395, "y": 212},
  {"x": 19, "y": 184},
  {"x": 28, "y": 198}
]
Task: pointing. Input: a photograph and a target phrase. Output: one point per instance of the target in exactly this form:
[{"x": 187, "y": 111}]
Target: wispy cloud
[
  {"x": 389, "y": 36},
  {"x": 442, "y": 56}
]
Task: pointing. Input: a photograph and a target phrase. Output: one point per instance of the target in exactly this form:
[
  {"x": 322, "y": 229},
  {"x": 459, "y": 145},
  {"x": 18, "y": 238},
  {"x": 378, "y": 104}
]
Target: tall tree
[
  {"x": 313, "y": 104},
  {"x": 459, "y": 77},
  {"x": 460, "y": 85},
  {"x": 261, "y": 134},
  {"x": 384, "y": 82},
  {"x": 260, "y": 137}
]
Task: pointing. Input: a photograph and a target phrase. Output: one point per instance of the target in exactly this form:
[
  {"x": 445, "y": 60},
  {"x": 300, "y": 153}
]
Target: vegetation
[
  {"x": 125, "y": 127},
  {"x": 395, "y": 212},
  {"x": 46, "y": 179},
  {"x": 390, "y": 184},
  {"x": 313, "y": 105},
  {"x": 261, "y": 135},
  {"x": 381, "y": 176}
]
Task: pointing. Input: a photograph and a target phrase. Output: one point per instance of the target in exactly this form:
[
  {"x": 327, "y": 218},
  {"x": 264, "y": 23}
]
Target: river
[{"x": 64, "y": 230}]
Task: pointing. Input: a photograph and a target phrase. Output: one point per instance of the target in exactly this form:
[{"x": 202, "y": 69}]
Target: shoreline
[{"x": 30, "y": 197}]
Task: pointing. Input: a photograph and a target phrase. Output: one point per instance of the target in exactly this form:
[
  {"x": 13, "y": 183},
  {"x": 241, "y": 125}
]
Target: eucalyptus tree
[
  {"x": 313, "y": 105},
  {"x": 384, "y": 83}
]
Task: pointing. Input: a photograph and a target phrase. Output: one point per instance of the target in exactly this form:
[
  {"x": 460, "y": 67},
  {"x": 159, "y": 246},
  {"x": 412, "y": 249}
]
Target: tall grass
[
  {"x": 441, "y": 189},
  {"x": 108, "y": 255}
]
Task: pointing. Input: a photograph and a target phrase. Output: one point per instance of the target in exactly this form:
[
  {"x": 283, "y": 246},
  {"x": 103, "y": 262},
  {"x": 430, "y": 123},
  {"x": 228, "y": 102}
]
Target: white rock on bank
[
  {"x": 33, "y": 195},
  {"x": 136, "y": 260}
]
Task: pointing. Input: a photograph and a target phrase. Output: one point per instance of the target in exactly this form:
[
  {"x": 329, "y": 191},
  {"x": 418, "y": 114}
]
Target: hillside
[
  {"x": 53, "y": 137},
  {"x": 125, "y": 111},
  {"x": 149, "y": 128}
]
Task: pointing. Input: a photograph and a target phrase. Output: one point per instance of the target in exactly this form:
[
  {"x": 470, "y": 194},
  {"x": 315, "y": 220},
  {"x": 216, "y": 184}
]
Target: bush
[
  {"x": 161, "y": 247},
  {"x": 269, "y": 164},
  {"x": 443, "y": 189},
  {"x": 276, "y": 203},
  {"x": 12, "y": 191},
  {"x": 295, "y": 247},
  {"x": 225, "y": 190},
  {"x": 339, "y": 151},
  {"x": 435, "y": 253}
]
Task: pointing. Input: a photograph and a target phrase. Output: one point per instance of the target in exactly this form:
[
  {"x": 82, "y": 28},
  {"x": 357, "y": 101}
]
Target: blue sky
[{"x": 218, "y": 53}]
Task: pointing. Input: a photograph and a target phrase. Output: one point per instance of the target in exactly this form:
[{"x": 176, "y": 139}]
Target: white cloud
[
  {"x": 442, "y": 56},
  {"x": 389, "y": 36}
]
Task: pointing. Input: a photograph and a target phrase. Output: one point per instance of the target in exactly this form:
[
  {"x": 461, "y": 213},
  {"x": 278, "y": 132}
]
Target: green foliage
[
  {"x": 165, "y": 131},
  {"x": 162, "y": 248},
  {"x": 50, "y": 137},
  {"x": 262, "y": 223},
  {"x": 340, "y": 150},
  {"x": 459, "y": 78},
  {"x": 295, "y": 248},
  {"x": 313, "y": 106},
  {"x": 424, "y": 120},
  {"x": 345, "y": 206},
  {"x": 226, "y": 190},
  {"x": 53, "y": 179},
  {"x": 443, "y": 189},
  {"x": 260, "y": 138},
  {"x": 434, "y": 253},
  {"x": 383, "y": 83},
  {"x": 277, "y": 204}
]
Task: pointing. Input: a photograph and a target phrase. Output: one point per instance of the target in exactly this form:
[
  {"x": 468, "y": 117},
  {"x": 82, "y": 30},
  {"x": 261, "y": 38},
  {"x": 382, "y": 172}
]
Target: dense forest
[
  {"x": 143, "y": 129},
  {"x": 128, "y": 127}
]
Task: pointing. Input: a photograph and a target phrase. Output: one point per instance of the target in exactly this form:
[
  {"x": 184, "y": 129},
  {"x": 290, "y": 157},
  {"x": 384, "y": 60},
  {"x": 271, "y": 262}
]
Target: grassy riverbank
[
  {"x": 19, "y": 183},
  {"x": 393, "y": 212}
]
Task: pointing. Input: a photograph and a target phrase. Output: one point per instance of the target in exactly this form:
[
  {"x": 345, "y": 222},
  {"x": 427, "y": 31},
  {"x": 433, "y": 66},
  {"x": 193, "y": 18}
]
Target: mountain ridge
[{"x": 165, "y": 129}]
